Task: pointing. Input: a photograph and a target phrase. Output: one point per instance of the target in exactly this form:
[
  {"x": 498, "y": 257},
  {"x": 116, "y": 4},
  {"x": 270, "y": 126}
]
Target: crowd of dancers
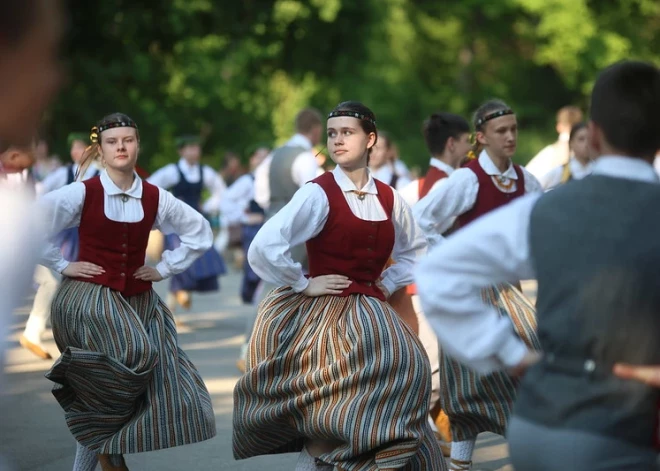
[{"x": 389, "y": 326}]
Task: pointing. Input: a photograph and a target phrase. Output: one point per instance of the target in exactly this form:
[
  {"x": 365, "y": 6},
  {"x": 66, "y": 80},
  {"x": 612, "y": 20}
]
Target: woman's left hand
[{"x": 147, "y": 273}]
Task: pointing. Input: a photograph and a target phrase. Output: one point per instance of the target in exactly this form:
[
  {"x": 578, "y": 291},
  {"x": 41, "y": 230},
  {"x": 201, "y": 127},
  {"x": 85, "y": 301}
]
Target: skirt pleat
[
  {"x": 338, "y": 369},
  {"x": 123, "y": 382},
  {"x": 478, "y": 403}
]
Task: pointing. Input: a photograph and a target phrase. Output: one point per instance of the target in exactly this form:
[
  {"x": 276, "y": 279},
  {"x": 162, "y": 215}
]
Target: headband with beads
[
  {"x": 494, "y": 115},
  {"x": 353, "y": 114},
  {"x": 121, "y": 123}
]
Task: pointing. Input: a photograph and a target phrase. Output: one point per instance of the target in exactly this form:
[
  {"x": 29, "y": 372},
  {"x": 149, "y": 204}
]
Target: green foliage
[{"x": 237, "y": 72}]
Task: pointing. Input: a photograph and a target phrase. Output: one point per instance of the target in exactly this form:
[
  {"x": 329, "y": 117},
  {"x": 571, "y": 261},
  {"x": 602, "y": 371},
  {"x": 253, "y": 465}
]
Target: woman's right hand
[
  {"x": 82, "y": 270},
  {"x": 327, "y": 284}
]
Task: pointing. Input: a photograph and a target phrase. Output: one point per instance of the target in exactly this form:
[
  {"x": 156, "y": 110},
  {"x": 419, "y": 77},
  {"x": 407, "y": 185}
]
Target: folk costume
[
  {"x": 122, "y": 380},
  {"x": 339, "y": 368},
  {"x": 186, "y": 182},
  {"x": 474, "y": 403}
]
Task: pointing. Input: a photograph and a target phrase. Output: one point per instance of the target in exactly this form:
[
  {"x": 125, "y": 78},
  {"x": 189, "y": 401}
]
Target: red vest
[
  {"x": 350, "y": 246},
  {"x": 489, "y": 197},
  {"x": 118, "y": 247},
  {"x": 432, "y": 176}
]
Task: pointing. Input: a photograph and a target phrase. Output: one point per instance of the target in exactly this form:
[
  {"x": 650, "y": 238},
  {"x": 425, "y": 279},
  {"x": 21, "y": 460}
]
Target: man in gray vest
[
  {"x": 594, "y": 247},
  {"x": 276, "y": 180}
]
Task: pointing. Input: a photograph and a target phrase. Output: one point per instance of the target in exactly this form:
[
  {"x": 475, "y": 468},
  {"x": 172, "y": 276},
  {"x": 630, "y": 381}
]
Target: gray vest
[
  {"x": 595, "y": 245},
  {"x": 282, "y": 186},
  {"x": 282, "y": 189}
]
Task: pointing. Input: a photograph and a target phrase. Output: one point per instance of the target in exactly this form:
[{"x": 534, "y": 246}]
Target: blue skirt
[
  {"x": 202, "y": 276},
  {"x": 250, "y": 278},
  {"x": 68, "y": 241}
]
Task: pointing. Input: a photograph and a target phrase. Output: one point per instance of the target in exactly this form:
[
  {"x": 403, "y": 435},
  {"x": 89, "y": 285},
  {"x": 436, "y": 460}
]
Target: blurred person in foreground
[
  {"x": 598, "y": 297},
  {"x": 30, "y": 34}
]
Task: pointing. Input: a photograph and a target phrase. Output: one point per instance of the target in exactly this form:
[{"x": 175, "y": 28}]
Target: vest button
[
  {"x": 371, "y": 237},
  {"x": 125, "y": 235},
  {"x": 368, "y": 283},
  {"x": 124, "y": 255},
  {"x": 125, "y": 225},
  {"x": 123, "y": 265},
  {"x": 123, "y": 246},
  {"x": 370, "y": 249},
  {"x": 123, "y": 275}
]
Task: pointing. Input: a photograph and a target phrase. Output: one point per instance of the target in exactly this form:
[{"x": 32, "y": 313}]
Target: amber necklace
[
  {"x": 504, "y": 183},
  {"x": 360, "y": 194}
]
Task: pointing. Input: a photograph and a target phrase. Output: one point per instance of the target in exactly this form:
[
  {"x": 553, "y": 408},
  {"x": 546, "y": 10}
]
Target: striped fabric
[
  {"x": 482, "y": 403},
  {"x": 337, "y": 369},
  {"x": 202, "y": 275},
  {"x": 123, "y": 382}
]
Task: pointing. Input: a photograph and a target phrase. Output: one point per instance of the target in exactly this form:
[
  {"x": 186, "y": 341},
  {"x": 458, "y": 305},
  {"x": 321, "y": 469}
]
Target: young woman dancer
[
  {"x": 579, "y": 165},
  {"x": 476, "y": 403},
  {"x": 331, "y": 369},
  {"x": 122, "y": 380}
]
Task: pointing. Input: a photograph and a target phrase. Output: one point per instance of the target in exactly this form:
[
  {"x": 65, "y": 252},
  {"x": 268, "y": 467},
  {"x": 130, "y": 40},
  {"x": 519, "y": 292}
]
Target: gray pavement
[{"x": 34, "y": 436}]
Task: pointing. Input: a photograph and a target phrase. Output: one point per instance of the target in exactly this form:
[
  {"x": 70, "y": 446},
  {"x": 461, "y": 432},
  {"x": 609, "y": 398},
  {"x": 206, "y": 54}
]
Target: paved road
[{"x": 34, "y": 436}]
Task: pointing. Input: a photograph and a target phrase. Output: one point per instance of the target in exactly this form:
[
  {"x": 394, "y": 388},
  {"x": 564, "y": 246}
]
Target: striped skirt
[
  {"x": 482, "y": 403},
  {"x": 202, "y": 275},
  {"x": 122, "y": 380},
  {"x": 336, "y": 369}
]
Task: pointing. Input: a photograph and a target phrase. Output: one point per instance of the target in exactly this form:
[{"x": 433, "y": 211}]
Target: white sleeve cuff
[
  {"x": 389, "y": 286},
  {"x": 512, "y": 352},
  {"x": 300, "y": 285},
  {"x": 61, "y": 266},
  {"x": 163, "y": 270}
]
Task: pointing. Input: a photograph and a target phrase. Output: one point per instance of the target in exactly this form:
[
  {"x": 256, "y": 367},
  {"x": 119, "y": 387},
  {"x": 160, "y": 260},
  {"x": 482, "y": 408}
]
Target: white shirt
[
  {"x": 303, "y": 170},
  {"x": 385, "y": 175},
  {"x": 437, "y": 212},
  {"x": 60, "y": 176},
  {"x": 304, "y": 217},
  {"x": 168, "y": 177},
  {"x": 550, "y": 157},
  {"x": 493, "y": 249},
  {"x": 236, "y": 200},
  {"x": 554, "y": 176},
  {"x": 64, "y": 209},
  {"x": 410, "y": 192}
]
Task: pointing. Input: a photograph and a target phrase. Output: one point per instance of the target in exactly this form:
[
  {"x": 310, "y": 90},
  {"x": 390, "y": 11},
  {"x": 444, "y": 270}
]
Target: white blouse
[
  {"x": 437, "y": 212},
  {"x": 168, "y": 177},
  {"x": 236, "y": 200},
  {"x": 64, "y": 209},
  {"x": 60, "y": 176},
  {"x": 304, "y": 217},
  {"x": 553, "y": 178}
]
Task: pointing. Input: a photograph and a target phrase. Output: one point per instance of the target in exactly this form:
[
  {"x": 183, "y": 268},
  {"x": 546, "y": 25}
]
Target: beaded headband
[
  {"x": 353, "y": 114},
  {"x": 494, "y": 115},
  {"x": 122, "y": 123}
]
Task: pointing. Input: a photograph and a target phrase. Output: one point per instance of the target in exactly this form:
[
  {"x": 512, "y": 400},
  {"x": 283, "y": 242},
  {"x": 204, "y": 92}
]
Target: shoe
[
  {"x": 35, "y": 348},
  {"x": 106, "y": 464},
  {"x": 443, "y": 426},
  {"x": 184, "y": 300},
  {"x": 240, "y": 364}
]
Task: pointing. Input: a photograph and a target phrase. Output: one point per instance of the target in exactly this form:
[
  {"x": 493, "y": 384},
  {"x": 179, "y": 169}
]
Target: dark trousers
[{"x": 534, "y": 447}]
